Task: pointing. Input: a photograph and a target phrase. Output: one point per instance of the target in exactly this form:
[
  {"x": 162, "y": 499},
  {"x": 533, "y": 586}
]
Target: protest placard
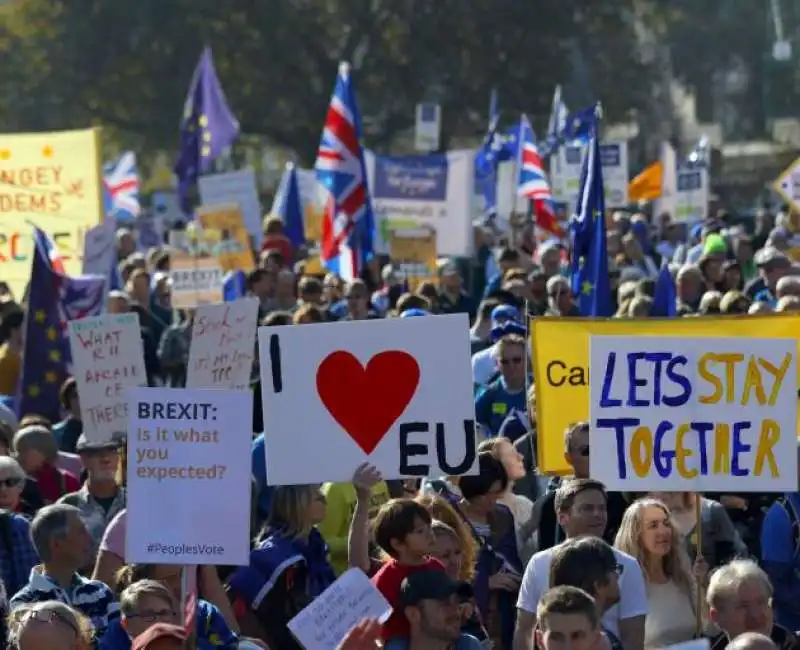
[
  {"x": 396, "y": 393},
  {"x": 226, "y": 237},
  {"x": 714, "y": 414},
  {"x": 560, "y": 351},
  {"x": 195, "y": 281},
  {"x": 108, "y": 358},
  {"x": 189, "y": 476},
  {"x": 348, "y": 601},
  {"x": 413, "y": 253},
  {"x": 223, "y": 345}
]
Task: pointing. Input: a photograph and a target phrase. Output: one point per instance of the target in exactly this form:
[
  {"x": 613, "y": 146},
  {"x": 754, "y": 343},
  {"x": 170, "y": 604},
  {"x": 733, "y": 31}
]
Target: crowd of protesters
[{"x": 505, "y": 559}]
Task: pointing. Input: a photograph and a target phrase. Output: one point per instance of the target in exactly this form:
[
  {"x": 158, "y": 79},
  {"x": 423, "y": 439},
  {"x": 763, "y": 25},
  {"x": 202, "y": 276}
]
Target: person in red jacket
[{"x": 275, "y": 239}]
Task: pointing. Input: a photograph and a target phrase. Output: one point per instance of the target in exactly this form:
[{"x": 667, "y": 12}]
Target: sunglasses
[
  {"x": 512, "y": 361},
  {"x": 10, "y": 482},
  {"x": 51, "y": 617}
]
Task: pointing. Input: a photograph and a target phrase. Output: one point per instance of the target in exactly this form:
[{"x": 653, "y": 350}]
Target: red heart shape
[{"x": 366, "y": 401}]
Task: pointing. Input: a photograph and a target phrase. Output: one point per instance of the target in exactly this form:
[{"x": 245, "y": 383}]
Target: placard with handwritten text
[
  {"x": 108, "y": 358},
  {"x": 223, "y": 345},
  {"x": 704, "y": 414}
]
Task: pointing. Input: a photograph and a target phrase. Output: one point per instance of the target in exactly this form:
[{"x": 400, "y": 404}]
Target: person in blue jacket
[
  {"x": 780, "y": 555},
  {"x": 507, "y": 393}
]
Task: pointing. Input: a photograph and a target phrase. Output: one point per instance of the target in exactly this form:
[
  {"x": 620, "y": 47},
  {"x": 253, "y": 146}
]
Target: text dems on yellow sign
[
  {"x": 561, "y": 363},
  {"x": 717, "y": 414},
  {"x": 52, "y": 180}
]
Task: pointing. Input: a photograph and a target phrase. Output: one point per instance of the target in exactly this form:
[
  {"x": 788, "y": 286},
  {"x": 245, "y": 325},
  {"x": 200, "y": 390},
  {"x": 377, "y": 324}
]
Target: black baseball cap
[{"x": 430, "y": 584}]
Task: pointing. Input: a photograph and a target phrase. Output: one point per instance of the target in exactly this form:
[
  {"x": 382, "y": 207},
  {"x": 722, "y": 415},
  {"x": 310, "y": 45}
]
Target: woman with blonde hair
[
  {"x": 714, "y": 533},
  {"x": 443, "y": 512},
  {"x": 648, "y": 534},
  {"x": 288, "y": 567},
  {"x": 49, "y": 625}
]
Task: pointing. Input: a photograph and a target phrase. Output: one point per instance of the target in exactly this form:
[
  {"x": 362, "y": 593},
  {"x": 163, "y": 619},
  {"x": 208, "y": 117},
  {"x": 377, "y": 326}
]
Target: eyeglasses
[
  {"x": 154, "y": 615},
  {"x": 511, "y": 361},
  {"x": 10, "y": 482},
  {"x": 50, "y": 617}
]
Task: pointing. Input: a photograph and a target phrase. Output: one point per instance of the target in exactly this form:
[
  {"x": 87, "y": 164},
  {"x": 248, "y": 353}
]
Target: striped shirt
[{"x": 90, "y": 597}]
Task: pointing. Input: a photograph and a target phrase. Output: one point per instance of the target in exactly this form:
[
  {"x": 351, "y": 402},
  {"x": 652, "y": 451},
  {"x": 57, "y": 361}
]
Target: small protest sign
[
  {"x": 223, "y": 345},
  {"x": 348, "y": 601},
  {"x": 677, "y": 414},
  {"x": 108, "y": 358},
  {"x": 189, "y": 476},
  {"x": 395, "y": 393},
  {"x": 195, "y": 281}
]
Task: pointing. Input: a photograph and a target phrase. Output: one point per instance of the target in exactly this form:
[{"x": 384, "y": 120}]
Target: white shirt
[
  {"x": 633, "y": 593},
  {"x": 483, "y": 366}
]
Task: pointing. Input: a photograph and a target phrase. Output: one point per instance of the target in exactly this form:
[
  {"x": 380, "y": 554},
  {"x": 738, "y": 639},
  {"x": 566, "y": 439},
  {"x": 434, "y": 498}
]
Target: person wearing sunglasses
[
  {"x": 505, "y": 394},
  {"x": 49, "y": 625}
]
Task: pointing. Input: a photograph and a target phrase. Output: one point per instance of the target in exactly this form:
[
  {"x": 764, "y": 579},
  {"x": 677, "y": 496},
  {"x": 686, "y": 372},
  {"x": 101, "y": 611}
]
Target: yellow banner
[
  {"x": 225, "y": 237},
  {"x": 413, "y": 254},
  {"x": 561, "y": 363},
  {"x": 53, "y": 180}
]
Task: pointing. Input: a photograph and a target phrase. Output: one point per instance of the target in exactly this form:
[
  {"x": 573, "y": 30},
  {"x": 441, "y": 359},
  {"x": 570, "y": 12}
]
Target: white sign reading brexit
[{"x": 189, "y": 476}]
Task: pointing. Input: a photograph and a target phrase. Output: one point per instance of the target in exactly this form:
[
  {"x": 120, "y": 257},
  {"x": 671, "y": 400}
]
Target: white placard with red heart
[{"x": 396, "y": 393}]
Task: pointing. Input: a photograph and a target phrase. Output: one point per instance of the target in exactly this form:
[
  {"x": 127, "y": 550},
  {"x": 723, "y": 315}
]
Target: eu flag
[
  {"x": 665, "y": 298},
  {"x": 53, "y": 299},
  {"x": 291, "y": 209},
  {"x": 207, "y": 128},
  {"x": 589, "y": 257},
  {"x": 580, "y": 125}
]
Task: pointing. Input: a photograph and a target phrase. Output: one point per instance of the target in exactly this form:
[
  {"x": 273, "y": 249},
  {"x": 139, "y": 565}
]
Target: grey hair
[
  {"x": 726, "y": 581},
  {"x": 134, "y": 593},
  {"x": 51, "y": 523},
  {"x": 788, "y": 282},
  {"x": 38, "y": 438},
  {"x": 555, "y": 281},
  {"x": 752, "y": 641},
  {"x": 11, "y": 467},
  {"x": 19, "y": 619},
  {"x": 689, "y": 269},
  {"x": 116, "y": 294}
]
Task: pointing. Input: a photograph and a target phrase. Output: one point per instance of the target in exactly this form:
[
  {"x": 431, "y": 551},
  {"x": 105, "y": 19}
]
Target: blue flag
[
  {"x": 290, "y": 209},
  {"x": 665, "y": 297},
  {"x": 53, "y": 300},
  {"x": 579, "y": 126},
  {"x": 589, "y": 257},
  {"x": 207, "y": 127},
  {"x": 234, "y": 286}
]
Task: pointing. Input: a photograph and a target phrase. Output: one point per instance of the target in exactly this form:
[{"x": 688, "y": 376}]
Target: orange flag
[{"x": 647, "y": 186}]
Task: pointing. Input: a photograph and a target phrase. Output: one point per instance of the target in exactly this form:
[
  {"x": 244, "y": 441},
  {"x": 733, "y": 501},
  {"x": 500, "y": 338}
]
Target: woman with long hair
[
  {"x": 648, "y": 534},
  {"x": 49, "y": 625},
  {"x": 716, "y": 536},
  {"x": 288, "y": 567}
]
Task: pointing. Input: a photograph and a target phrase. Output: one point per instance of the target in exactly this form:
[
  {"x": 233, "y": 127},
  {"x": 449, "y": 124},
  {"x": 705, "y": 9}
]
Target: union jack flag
[
  {"x": 532, "y": 180},
  {"x": 121, "y": 182},
  {"x": 348, "y": 225}
]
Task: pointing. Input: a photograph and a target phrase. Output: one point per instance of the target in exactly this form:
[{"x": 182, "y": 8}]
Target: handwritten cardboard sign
[
  {"x": 348, "y": 601},
  {"x": 711, "y": 414},
  {"x": 189, "y": 476},
  {"x": 396, "y": 393},
  {"x": 223, "y": 345},
  {"x": 108, "y": 358}
]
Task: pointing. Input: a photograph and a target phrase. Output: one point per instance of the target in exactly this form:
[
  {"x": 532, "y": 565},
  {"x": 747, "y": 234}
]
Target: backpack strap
[{"x": 790, "y": 509}]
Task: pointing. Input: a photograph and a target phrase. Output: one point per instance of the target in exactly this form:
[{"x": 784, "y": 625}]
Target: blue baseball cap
[
  {"x": 508, "y": 327},
  {"x": 506, "y": 312},
  {"x": 415, "y": 311}
]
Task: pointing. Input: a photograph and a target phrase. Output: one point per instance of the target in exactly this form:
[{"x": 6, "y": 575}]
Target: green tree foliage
[{"x": 127, "y": 65}]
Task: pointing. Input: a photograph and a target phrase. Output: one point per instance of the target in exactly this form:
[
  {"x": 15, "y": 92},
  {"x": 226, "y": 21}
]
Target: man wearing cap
[
  {"x": 431, "y": 602},
  {"x": 452, "y": 297},
  {"x": 505, "y": 394},
  {"x": 100, "y": 498},
  {"x": 505, "y": 320},
  {"x": 772, "y": 265}
]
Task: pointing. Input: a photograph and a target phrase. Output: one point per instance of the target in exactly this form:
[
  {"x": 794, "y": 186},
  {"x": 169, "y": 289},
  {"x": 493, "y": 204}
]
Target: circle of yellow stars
[
  {"x": 47, "y": 152},
  {"x": 50, "y": 375}
]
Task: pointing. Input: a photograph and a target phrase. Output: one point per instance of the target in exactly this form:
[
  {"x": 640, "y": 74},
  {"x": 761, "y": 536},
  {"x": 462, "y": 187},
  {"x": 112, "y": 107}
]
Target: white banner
[
  {"x": 434, "y": 191},
  {"x": 565, "y": 173}
]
